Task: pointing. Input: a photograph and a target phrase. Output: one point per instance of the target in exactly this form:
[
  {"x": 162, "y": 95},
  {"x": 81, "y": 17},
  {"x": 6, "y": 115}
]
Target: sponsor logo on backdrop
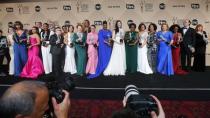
[
  {"x": 52, "y": 8},
  {"x": 130, "y": 6},
  {"x": 178, "y": 6},
  {"x": 195, "y": 6},
  {"x": 23, "y": 9},
  {"x": 84, "y": 8},
  {"x": 98, "y": 7},
  {"x": 194, "y": 22},
  {"x": 67, "y": 23},
  {"x": 66, "y": 7},
  {"x": 37, "y": 8},
  {"x": 114, "y": 6},
  {"x": 162, "y": 6},
  {"x": 149, "y": 7},
  {"x": 9, "y": 9},
  {"x": 10, "y": 24},
  {"x": 160, "y": 22},
  {"x": 129, "y": 22},
  {"x": 98, "y": 22}
]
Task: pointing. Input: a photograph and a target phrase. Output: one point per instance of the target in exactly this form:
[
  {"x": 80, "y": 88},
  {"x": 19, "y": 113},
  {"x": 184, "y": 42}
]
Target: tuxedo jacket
[
  {"x": 56, "y": 49},
  {"x": 188, "y": 37}
]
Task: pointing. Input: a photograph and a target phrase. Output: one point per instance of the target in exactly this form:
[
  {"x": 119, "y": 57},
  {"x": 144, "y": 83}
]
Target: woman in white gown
[
  {"x": 117, "y": 63},
  {"x": 45, "y": 48},
  {"x": 11, "y": 50},
  {"x": 70, "y": 65},
  {"x": 143, "y": 64}
]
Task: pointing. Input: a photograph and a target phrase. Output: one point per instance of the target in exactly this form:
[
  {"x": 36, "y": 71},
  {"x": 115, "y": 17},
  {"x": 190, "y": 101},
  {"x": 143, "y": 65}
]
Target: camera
[
  {"x": 55, "y": 89},
  {"x": 141, "y": 104}
]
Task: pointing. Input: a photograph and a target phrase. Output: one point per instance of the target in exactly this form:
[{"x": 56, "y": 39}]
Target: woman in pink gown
[
  {"x": 34, "y": 66},
  {"x": 92, "y": 41}
]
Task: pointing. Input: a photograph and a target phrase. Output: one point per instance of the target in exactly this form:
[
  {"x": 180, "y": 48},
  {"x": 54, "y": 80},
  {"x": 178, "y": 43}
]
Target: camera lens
[{"x": 131, "y": 90}]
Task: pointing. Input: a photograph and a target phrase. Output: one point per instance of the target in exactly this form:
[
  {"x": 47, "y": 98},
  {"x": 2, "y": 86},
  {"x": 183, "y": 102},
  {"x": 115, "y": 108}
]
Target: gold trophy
[
  {"x": 78, "y": 5},
  {"x": 142, "y": 2}
]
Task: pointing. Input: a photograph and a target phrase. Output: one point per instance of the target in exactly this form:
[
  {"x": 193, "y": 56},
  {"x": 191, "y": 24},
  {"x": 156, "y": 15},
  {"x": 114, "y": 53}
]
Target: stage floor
[{"x": 194, "y": 86}]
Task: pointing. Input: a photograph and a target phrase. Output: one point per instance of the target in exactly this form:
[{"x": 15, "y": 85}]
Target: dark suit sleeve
[
  {"x": 53, "y": 40},
  {"x": 193, "y": 37}
]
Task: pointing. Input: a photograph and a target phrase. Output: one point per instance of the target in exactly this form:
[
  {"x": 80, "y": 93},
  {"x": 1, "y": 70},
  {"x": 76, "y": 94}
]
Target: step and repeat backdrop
[{"x": 74, "y": 11}]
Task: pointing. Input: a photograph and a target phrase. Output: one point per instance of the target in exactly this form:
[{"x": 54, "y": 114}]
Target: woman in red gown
[{"x": 177, "y": 37}]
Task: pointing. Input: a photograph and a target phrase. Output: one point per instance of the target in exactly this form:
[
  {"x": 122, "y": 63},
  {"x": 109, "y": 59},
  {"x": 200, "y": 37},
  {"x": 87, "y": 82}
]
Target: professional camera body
[
  {"x": 55, "y": 89},
  {"x": 142, "y": 105}
]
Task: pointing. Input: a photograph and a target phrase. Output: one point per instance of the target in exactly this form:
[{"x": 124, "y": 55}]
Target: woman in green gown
[
  {"x": 79, "y": 43},
  {"x": 131, "y": 48}
]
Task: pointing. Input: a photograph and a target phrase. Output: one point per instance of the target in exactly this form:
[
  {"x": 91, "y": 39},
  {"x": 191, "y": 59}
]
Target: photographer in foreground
[
  {"x": 137, "y": 105},
  {"x": 29, "y": 99}
]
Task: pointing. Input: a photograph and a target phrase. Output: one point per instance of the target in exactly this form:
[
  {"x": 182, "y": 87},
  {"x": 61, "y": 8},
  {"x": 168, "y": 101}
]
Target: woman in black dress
[{"x": 200, "y": 49}]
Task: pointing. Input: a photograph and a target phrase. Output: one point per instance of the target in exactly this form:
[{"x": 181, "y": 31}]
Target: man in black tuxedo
[
  {"x": 57, "y": 51},
  {"x": 187, "y": 45}
]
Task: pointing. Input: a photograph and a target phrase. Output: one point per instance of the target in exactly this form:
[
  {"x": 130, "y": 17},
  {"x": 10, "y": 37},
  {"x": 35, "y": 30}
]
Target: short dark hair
[
  {"x": 37, "y": 30},
  {"x": 104, "y": 22},
  {"x": 46, "y": 24},
  {"x": 14, "y": 102},
  {"x": 154, "y": 25},
  {"x": 132, "y": 24},
  {"x": 173, "y": 27},
  {"x": 93, "y": 26},
  {"x": 142, "y": 24},
  {"x": 18, "y": 23},
  {"x": 57, "y": 28}
]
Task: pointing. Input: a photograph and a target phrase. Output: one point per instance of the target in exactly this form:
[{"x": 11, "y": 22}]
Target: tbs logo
[
  {"x": 195, "y": 6},
  {"x": 130, "y": 6},
  {"x": 66, "y": 7},
  {"x": 9, "y": 9},
  {"x": 97, "y": 22}
]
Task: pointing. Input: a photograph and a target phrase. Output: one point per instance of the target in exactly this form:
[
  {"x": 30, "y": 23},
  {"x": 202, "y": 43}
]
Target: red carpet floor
[{"x": 105, "y": 108}]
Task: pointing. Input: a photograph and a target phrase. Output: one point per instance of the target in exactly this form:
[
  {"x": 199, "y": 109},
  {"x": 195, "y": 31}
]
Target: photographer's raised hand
[
  {"x": 160, "y": 109},
  {"x": 61, "y": 110}
]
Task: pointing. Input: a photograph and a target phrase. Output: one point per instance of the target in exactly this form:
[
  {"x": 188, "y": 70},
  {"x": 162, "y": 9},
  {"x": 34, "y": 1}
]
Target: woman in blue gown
[
  {"x": 20, "y": 47},
  {"x": 164, "y": 59},
  {"x": 104, "y": 50}
]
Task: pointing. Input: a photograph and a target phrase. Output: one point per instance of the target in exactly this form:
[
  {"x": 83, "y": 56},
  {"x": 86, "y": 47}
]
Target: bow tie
[{"x": 185, "y": 28}]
